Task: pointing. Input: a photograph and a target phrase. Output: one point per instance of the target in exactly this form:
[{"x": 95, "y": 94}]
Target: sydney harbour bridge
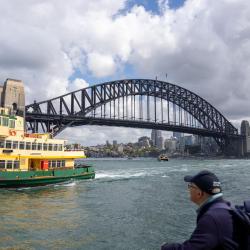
[{"x": 137, "y": 103}]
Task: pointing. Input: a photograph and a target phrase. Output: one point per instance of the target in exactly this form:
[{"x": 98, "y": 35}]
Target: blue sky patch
[{"x": 152, "y": 5}]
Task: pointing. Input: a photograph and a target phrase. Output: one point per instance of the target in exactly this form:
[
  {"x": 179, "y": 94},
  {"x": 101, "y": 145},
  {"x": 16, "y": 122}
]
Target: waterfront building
[
  {"x": 120, "y": 149},
  {"x": 189, "y": 140},
  {"x": 160, "y": 143},
  {"x": 144, "y": 141},
  {"x": 177, "y": 135},
  {"x": 171, "y": 145},
  {"x": 157, "y": 139},
  {"x": 208, "y": 145}
]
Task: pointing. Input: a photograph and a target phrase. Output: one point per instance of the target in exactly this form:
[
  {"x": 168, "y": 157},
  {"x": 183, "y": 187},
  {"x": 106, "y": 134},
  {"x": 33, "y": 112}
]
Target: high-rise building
[
  {"x": 160, "y": 143},
  {"x": 177, "y": 135},
  {"x": 155, "y": 134},
  {"x": 171, "y": 144},
  {"x": 157, "y": 139}
]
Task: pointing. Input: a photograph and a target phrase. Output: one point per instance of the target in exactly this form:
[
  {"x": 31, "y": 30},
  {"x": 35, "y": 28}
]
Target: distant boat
[{"x": 162, "y": 157}]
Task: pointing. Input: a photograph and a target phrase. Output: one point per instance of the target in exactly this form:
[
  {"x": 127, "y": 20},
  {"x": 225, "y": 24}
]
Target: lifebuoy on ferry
[{"x": 12, "y": 132}]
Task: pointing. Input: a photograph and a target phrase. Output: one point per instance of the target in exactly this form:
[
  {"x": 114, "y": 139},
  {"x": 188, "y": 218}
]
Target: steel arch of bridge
[{"x": 78, "y": 108}]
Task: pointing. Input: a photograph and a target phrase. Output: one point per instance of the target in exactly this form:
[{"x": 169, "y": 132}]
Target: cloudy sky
[{"x": 56, "y": 46}]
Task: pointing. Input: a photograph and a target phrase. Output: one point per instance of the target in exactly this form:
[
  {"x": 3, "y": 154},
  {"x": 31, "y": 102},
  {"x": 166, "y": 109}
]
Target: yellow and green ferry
[{"x": 34, "y": 159}]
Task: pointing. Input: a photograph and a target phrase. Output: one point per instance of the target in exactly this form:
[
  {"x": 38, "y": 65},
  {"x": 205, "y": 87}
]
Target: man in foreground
[{"x": 214, "y": 228}]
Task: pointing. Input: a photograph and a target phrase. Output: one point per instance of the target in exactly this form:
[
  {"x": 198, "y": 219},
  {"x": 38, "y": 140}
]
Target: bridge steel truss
[{"x": 116, "y": 103}]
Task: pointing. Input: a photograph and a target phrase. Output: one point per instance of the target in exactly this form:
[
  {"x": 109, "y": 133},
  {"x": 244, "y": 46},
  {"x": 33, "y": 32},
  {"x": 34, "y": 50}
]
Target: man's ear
[{"x": 200, "y": 193}]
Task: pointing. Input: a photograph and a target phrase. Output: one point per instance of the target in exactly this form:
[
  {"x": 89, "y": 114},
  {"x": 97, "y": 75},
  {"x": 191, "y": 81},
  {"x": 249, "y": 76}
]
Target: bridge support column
[{"x": 234, "y": 147}]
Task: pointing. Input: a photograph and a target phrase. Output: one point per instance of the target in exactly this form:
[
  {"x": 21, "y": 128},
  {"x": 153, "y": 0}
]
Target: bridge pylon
[{"x": 234, "y": 146}]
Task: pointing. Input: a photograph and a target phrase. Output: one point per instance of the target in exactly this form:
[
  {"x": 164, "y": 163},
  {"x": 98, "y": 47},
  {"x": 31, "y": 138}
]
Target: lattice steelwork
[{"x": 140, "y": 103}]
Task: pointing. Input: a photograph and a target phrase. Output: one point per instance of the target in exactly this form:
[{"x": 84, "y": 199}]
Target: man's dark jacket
[{"x": 214, "y": 230}]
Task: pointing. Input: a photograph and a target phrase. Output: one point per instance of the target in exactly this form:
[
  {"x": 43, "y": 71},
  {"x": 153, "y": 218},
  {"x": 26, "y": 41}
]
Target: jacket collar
[
  {"x": 209, "y": 200},
  {"x": 205, "y": 206}
]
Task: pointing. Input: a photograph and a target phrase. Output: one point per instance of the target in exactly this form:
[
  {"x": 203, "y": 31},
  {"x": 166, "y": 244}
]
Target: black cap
[{"x": 206, "y": 181}]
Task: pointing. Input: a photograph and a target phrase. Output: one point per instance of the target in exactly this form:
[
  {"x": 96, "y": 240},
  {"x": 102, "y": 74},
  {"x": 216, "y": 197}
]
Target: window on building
[
  {"x": 12, "y": 123},
  {"x": 34, "y": 146},
  {"x": 50, "y": 147},
  {"x": 8, "y": 144},
  {"x": 15, "y": 145},
  {"x": 45, "y": 146},
  {"x": 53, "y": 164},
  {"x": 28, "y": 145},
  {"x": 5, "y": 121},
  {"x": 39, "y": 146},
  {"x": 1, "y": 143},
  {"x": 21, "y": 145},
  {"x": 2, "y": 164},
  {"x": 9, "y": 165},
  {"x": 16, "y": 164}
]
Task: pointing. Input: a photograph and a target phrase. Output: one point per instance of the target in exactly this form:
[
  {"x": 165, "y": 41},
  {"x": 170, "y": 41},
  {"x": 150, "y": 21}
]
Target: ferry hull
[{"x": 41, "y": 178}]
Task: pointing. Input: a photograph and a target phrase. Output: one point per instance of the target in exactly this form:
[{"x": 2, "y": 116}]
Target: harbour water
[{"x": 132, "y": 204}]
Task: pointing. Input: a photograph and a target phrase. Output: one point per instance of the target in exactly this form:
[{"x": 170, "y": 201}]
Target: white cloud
[
  {"x": 203, "y": 46},
  {"x": 101, "y": 65},
  {"x": 77, "y": 84}
]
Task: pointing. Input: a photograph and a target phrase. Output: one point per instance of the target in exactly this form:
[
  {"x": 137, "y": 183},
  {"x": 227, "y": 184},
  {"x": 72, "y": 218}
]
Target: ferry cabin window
[
  {"x": 58, "y": 164},
  {"x": 5, "y": 121},
  {"x": 45, "y": 146},
  {"x": 21, "y": 145},
  {"x": 2, "y": 164},
  {"x": 50, "y": 164},
  {"x": 34, "y": 146},
  {"x": 55, "y": 147},
  {"x": 63, "y": 163},
  {"x": 28, "y": 145},
  {"x": 9, "y": 165},
  {"x": 1, "y": 143},
  {"x": 53, "y": 164},
  {"x": 12, "y": 123},
  {"x": 16, "y": 164},
  {"x": 50, "y": 147},
  {"x": 39, "y": 146},
  {"x": 1, "y": 120},
  {"x": 8, "y": 144},
  {"x": 15, "y": 144},
  {"x": 59, "y": 147}
]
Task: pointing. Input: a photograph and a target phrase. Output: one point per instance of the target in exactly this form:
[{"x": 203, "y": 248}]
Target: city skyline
[{"x": 60, "y": 47}]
